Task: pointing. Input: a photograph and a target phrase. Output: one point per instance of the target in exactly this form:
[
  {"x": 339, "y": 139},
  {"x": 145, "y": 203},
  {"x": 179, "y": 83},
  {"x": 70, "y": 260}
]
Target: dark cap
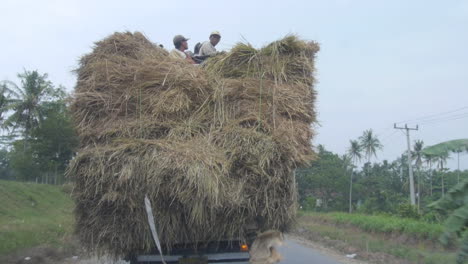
[{"x": 179, "y": 38}]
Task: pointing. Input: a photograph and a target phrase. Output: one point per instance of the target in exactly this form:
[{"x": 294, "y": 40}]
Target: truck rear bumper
[{"x": 220, "y": 258}]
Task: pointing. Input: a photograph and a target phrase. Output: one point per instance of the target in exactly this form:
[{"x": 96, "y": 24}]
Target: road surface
[{"x": 296, "y": 252}]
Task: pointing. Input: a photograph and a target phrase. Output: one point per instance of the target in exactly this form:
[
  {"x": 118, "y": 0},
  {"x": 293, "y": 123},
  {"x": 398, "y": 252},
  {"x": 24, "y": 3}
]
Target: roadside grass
[
  {"x": 379, "y": 234},
  {"x": 384, "y": 224},
  {"x": 33, "y": 214}
]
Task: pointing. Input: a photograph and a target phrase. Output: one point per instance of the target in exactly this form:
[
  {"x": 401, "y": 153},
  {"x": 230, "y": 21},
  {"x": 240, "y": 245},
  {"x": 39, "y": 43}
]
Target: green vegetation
[
  {"x": 37, "y": 129},
  {"x": 384, "y": 224},
  {"x": 455, "y": 203},
  {"x": 32, "y": 215},
  {"x": 345, "y": 237},
  {"x": 457, "y": 145},
  {"x": 379, "y": 193},
  {"x": 379, "y": 187}
]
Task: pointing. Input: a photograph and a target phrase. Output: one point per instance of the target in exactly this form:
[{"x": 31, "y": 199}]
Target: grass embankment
[
  {"x": 406, "y": 239},
  {"x": 386, "y": 224},
  {"x": 32, "y": 215}
]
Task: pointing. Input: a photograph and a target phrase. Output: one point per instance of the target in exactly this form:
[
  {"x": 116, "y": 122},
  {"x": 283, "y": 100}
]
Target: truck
[{"x": 232, "y": 251}]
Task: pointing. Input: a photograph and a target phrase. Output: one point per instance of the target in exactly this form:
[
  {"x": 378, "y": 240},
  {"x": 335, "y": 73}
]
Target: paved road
[{"x": 296, "y": 253}]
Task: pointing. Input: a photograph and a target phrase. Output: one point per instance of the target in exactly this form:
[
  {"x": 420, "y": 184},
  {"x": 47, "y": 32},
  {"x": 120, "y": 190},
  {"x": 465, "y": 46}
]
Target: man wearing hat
[
  {"x": 181, "y": 45},
  {"x": 208, "y": 47}
]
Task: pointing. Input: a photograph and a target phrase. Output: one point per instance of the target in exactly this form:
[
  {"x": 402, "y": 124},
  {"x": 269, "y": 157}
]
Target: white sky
[{"x": 380, "y": 61}]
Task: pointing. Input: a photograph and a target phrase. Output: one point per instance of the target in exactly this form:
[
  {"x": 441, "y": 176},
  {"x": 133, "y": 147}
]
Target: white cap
[{"x": 215, "y": 33}]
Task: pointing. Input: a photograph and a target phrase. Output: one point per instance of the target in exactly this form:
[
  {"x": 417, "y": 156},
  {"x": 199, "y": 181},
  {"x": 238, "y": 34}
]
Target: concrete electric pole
[{"x": 410, "y": 167}]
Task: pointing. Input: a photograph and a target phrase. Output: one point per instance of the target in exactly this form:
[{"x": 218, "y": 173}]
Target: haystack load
[{"x": 213, "y": 147}]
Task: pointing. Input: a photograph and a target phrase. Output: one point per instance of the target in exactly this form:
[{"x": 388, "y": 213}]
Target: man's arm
[{"x": 189, "y": 59}]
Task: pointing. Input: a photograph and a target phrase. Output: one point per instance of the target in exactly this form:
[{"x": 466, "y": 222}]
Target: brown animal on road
[{"x": 263, "y": 248}]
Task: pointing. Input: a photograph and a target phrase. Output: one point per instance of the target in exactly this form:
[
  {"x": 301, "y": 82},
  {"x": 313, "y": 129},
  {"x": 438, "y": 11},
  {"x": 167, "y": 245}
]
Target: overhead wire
[
  {"x": 448, "y": 118},
  {"x": 422, "y": 118}
]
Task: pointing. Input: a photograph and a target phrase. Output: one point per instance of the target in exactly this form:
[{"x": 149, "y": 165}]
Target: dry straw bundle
[{"x": 213, "y": 147}]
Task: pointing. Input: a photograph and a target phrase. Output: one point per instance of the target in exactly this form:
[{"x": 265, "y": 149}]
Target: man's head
[
  {"x": 215, "y": 37},
  {"x": 180, "y": 42}
]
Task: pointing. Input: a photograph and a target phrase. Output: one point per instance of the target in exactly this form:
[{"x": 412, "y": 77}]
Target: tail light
[{"x": 244, "y": 248}]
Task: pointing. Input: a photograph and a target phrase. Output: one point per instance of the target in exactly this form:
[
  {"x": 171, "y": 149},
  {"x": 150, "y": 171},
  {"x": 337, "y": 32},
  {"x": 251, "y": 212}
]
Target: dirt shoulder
[
  {"x": 41, "y": 255},
  {"x": 370, "y": 247}
]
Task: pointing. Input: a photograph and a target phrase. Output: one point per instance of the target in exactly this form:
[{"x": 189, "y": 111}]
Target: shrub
[
  {"x": 408, "y": 211},
  {"x": 309, "y": 203}
]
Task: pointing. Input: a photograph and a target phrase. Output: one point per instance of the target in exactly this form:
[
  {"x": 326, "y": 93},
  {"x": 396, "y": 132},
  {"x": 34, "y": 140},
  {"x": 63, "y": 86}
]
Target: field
[
  {"x": 381, "y": 239},
  {"x": 33, "y": 215},
  {"x": 385, "y": 224}
]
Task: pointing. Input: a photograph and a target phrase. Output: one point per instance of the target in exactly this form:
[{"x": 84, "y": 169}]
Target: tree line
[
  {"x": 334, "y": 182},
  {"x": 37, "y": 136}
]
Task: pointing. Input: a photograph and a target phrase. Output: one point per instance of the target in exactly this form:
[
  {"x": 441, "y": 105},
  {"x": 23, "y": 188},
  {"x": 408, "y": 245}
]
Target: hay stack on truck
[{"x": 213, "y": 149}]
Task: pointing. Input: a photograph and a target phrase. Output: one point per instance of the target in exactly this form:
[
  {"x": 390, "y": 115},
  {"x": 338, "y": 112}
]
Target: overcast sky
[{"x": 380, "y": 61}]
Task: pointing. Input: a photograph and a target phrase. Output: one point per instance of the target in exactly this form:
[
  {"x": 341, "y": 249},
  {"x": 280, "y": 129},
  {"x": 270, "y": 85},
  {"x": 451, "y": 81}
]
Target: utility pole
[
  {"x": 410, "y": 167},
  {"x": 458, "y": 167}
]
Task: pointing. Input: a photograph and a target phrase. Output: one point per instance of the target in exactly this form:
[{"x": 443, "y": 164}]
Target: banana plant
[
  {"x": 447, "y": 147},
  {"x": 455, "y": 204}
]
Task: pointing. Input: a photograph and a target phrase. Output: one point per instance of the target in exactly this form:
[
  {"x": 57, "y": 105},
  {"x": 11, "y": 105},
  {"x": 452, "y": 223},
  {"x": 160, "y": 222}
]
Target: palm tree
[
  {"x": 3, "y": 100},
  {"x": 27, "y": 105},
  {"x": 6, "y": 98},
  {"x": 442, "y": 159},
  {"x": 458, "y": 151},
  {"x": 417, "y": 155},
  {"x": 429, "y": 161},
  {"x": 354, "y": 152},
  {"x": 370, "y": 144}
]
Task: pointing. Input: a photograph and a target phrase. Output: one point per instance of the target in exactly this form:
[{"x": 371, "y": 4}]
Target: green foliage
[
  {"x": 47, "y": 137},
  {"x": 422, "y": 252},
  {"x": 3, "y": 101},
  {"x": 32, "y": 215},
  {"x": 6, "y": 99},
  {"x": 377, "y": 188},
  {"x": 380, "y": 187},
  {"x": 309, "y": 203},
  {"x": 386, "y": 224},
  {"x": 5, "y": 172},
  {"x": 23, "y": 162},
  {"x": 55, "y": 140},
  {"x": 27, "y": 102},
  {"x": 457, "y": 145},
  {"x": 355, "y": 151},
  {"x": 49, "y": 148},
  {"x": 455, "y": 204},
  {"x": 370, "y": 144},
  {"x": 407, "y": 210},
  {"x": 326, "y": 179},
  {"x": 433, "y": 217}
]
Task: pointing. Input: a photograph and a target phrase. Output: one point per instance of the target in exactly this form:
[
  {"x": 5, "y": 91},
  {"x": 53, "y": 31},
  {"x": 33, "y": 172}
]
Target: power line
[
  {"x": 448, "y": 118},
  {"x": 385, "y": 134},
  {"x": 389, "y": 136},
  {"x": 432, "y": 115}
]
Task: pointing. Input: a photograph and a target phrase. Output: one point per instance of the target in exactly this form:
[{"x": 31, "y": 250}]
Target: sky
[{"x": 380, "y": 62}]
